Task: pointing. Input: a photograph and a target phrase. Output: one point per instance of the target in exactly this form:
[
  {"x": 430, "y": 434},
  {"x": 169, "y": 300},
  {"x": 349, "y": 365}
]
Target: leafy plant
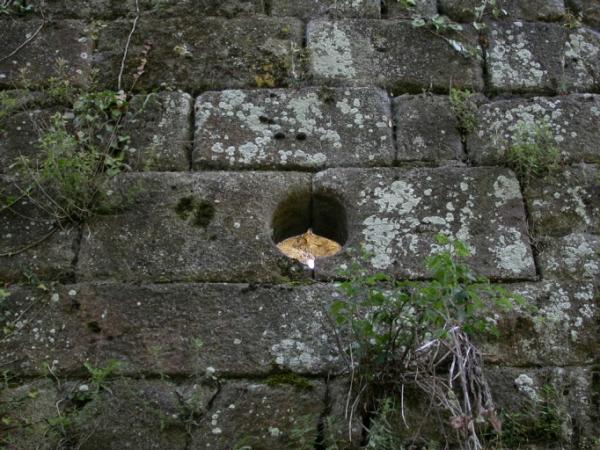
[
  {"x": 464, "y": 109},
  {"x": 99, "y": 375},
  {"x": 14, "y": 7},
  {"x": 401, "y": 333},
  {"x": 534, "y": 152}
]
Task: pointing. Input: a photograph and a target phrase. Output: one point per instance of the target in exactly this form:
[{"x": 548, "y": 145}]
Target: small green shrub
[
  {"x": 398, "y": 332},
  {"x": 534, "y": 152},
  {"x": 464, "y": 109}
]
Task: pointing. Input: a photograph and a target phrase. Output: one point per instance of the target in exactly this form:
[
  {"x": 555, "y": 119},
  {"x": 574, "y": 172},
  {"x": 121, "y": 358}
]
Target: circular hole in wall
[{"x": 308, "y": 226}]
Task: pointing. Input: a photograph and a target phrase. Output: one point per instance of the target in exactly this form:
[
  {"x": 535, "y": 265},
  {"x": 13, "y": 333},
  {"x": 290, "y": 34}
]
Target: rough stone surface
[
  {"x": 571, "y": 120},
  {"x": 566, "y": 202},
  {"x": 426, "y": 129},
  {"x": 396, "y": 213},
  {"x": 424, "y": 8},
  {"x": 229, "y": 329},
  {"x": 21, "y": 135},
  {"x": 465, "y": 10},
  {"x": 39, "y": 60},
  {"x": 543, "y": 57},
  {"x": 212, "y": 226},
  {"x": 560, "y": 330},
  {"x": 575, "y": 256},
  {"x": 197, "y": 54},
  {"x": 257, "y": 415},
  {"x": 160, "y": 129},
  {"x": 140, "y": 414},
  {"x": 306, "y": 128},
  {"x": 336, "y": 8},
  {"x": 391, "y": 54},
  {"x": 106, "y": 9},
  {"x": 24, "y": 224}
]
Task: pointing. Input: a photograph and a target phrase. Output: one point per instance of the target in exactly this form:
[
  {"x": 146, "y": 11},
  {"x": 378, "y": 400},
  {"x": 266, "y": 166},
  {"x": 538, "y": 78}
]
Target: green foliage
[
  {"x": 534, "y": 152},
  {"x": 99, "y": 375},
  {"x": 77, "y": 157},
  {"x": 8, "y": 105},
  {"x": 387, "y": 320},
  {"x": 381, "y": 431},
  {"x": 464, "y": 109},
  {"x": 398, "y": 330},
  {"x": 15, "y": 7},
  {"x": 538, "y": 420}
]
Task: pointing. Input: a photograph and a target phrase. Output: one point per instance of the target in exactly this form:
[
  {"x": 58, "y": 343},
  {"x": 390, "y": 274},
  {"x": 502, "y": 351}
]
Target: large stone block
[
  {"x": 566, "y": 202},
  {"x": 466, "y": 10},
  {"x": 392, "y": 54},
  {"x": 60, "y": 48},
  {"x": 160, "y": 129},
  {"x": 570, "y": 120},
  {"x": 32, "y": 243},
  {"x": 560, "y": 329},
  {"x": 543, "y": 57},
  {"x": 175, "y": 329},
  {"x": 337, "y": 8},
  {"x": 250, "y": 414},
  {"x": 396, "y": 214},
  {"x": 305, "y": 128},
  {"x": 573, "y": 257},
  {"x": 198, "y": 54},
  {"x": 210, "y": 226},
  {"x": 426, "y": 129}
]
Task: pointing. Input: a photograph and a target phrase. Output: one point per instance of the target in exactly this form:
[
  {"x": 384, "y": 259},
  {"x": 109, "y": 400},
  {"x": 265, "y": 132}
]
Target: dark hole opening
[{"x": 300, "y": 211}]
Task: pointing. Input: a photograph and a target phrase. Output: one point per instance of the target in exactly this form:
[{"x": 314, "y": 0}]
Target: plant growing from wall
[
  {"x": 397, "y": 334},
  {"x": 464, "y": 109},
  {"x": 533, "y": 152}
]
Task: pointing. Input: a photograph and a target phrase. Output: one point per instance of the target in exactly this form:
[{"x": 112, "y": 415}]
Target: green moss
[
  {"x": 290, "y": 379},
  {"x": 200, "y": 212}
]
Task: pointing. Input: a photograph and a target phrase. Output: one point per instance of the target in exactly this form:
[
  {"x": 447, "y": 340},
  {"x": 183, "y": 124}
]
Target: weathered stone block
[
  {"x": 561, "y": 330},
  {"x": 566, "y": 202},
  {"x": 572, "y": 257},
  {"x": 589, "y": 9},
  {"x": 543, "y": 57},
  {"x": 208, "y": 53},
  {"x": 571, "y": 120},
  {"x": 140, "y": 414},
  {"x": 337, "y": 8},
  {"x": 392, "y": 54},
  {"x": 175, "y": 329},
  {"x": 465, "y": 10},
  {"x": 396, "y": 214},
  {"x": 21, "y": 136},
  {"x": 257, "y": 415},
  {"x": 211, "y": 226},
  {"x": 30, "y": 239},
  {"x": 426, "y": 129},
  {"x": 423, "y": 8},
  {"x": 25, "y": 411},
  {"x": 306, "y": 128},
  {"x": 59, "y": 49},
  {"x": 160, "y": 129}
]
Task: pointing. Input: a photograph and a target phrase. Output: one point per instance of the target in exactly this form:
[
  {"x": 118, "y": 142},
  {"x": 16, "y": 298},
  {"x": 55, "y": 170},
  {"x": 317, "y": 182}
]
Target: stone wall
[{"x": 248, "y": 105}]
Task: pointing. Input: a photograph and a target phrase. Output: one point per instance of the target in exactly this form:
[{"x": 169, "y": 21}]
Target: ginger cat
[{"x": 308, "y": 246}]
